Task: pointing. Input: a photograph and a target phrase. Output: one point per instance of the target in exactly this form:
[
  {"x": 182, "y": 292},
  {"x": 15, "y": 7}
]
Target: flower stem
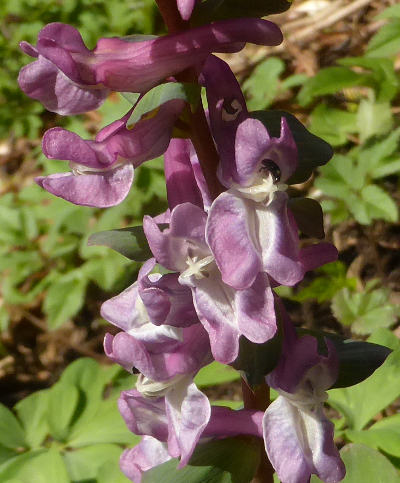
[{"x": 259, "y": 399}]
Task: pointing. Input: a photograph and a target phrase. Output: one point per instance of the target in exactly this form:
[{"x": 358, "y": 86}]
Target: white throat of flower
[
  {"x": 149, "y": 388},
  {"x": 197, "y": 267},
  {"x": 262, "y": 190},
  {"x": 307, "y": 398}
]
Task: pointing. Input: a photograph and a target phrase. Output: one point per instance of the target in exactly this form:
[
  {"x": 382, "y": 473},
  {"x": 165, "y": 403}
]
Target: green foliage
[
  {"x": 332, "y": 278},
  {"x": 351, "y": 181},
  {"x": 365, "y": 311},
  {"x": 22, "y": 20},
  {"x": 69, "y": 432},
  {"x": 45, "y": 260}
]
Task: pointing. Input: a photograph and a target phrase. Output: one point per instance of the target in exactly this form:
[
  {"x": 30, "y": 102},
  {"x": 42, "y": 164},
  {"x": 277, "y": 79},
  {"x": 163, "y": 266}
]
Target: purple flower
[
  {"x": 298, "y": 437},
  {"x": 252, "y": 218},
  {"x": 185, "y": 8},
  {"x": 162, "y": 336},
  {"x": 226, "y": 313},
  {"x": 102, "y": 170},
  {"x": 68, "y": 78},
  {"x": 178, "y": 416}
]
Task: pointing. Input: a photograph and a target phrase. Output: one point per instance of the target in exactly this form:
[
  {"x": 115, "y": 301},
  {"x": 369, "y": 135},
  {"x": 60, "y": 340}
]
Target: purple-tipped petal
[
  {"x": 229, "y": 236},
  {"x": 98, "y": 189},
  {"x": 146, "y": 455},
  {"x": 315, "y": 256}
]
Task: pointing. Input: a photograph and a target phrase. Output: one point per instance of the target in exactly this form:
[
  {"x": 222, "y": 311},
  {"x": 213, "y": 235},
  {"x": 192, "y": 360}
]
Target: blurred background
[{"x": 337, "y": 71}]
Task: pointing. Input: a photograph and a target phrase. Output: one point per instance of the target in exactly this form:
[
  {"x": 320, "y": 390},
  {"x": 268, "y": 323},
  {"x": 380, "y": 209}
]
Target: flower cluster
[{"x": 217, "y": 256}]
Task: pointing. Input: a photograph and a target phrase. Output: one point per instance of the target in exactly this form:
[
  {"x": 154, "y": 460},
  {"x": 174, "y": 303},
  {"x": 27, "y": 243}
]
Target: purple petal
[
  {"x": 98, "y": 189},
  {"x": 230, "y": 239},
  {"x": 227, "y": 109},
  {"x": 43, "y": 81},
  {"x": 137, "y": 67},
  {"x": 144, "y": 416},
  {"x": 253, "y": 145},
  {"x": 186, "y": 357},
  {"x": 146, "y": 455},
  {"x": 300, "y": 443},
  {"x": 315, "y": 256},
  {"x": 188, "y": 411},
  {"x": 255, "y": 306},
  {"x": 148, "y": 139},
  {"x": 179, "y": 175}
]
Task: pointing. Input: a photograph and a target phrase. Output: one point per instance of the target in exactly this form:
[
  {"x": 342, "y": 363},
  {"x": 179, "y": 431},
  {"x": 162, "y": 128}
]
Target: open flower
[
  {"x": 253, "y": 215},
  {"x": 103, "y": 169},
  {"x": 298, "y": 437},
  {"x": 68, "y": 78},
  {"x": 225, "y": 312}
]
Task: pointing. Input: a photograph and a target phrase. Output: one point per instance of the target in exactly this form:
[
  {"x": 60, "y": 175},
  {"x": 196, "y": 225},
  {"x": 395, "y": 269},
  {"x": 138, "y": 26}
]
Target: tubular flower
[
  {"x": 68, "y": 78},
  {"x": 103, "y": 169},
  {"x": 253, "y": 215},
  {"x": 298, "y": 437},
  {"x": 226, "y": 313}
]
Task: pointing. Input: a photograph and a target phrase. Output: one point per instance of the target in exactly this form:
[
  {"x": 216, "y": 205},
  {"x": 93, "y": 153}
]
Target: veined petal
[
  {"x": 300, "y": 443},
  {"x": 188, "y": 411},
  {"x": 146, "y": 455},
  {"x": 144, "y": 416},
  {"x": 43, "y": 81},
  {"x": 99, "y": 188},
  {"x": 230, "y": 238}
]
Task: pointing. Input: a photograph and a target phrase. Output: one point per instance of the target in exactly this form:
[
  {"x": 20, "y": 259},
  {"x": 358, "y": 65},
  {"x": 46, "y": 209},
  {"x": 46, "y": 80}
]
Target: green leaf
[
  {"x": 11, "y": 432},
  {"x": 32, "y": 412},
  {"x": 312, "y": 151},
  {"x": 386, "y": 42},
  {"x": 373, "y": 118},
  {"x": 130, "y": 242},
  {"x": 365, "y": 312},
  {"x": 105, "y": 426},
  {"x": 211, "y": 10},
  {"x": 385, "y": 337},
  {"x": 62, "y": 402},
  {"x": 329, "y": 81},
  {"x": 383, "y": 435},
  {"x": 379, "y": 204},
  {"x": 160, "y": 95},
  {"x": 214, "y": 374},
  {"x": 83, "y": 464},
  {"x": 111, "y": 473},
  {"x": 63, "y": 300},
  {"x": 360, "y": 403},
  {"x": 233, "y": 460},
  {"x": 332, "y": 125},
  {"x": 262, "y": 85},
  {"x": 308, "y": 215},
  {"x": 364, "y": 464},
  {"x": 36, "y": 467}
]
